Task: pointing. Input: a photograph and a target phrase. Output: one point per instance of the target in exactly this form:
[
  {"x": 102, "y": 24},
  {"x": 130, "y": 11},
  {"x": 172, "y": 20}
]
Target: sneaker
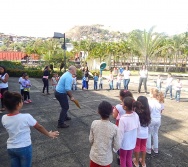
[
  {"x": 29, "y": 101},
  {"x": 171, "y": 98},
  {"x": 68, "y": 119},
  {"x": 43, "y": 94},
  {"x": 177, "y": 101},
  {"x": 155, "y": 150},
  {"x": 148, "y": 150},
  {"x": 54, "y": 98},
  {"x": 26, "y": 102},
  {"x": 48, "y": 93}
]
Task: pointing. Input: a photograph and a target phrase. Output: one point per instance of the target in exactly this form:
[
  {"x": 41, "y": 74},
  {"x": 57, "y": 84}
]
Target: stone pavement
[{"x": 72, "y": 147}]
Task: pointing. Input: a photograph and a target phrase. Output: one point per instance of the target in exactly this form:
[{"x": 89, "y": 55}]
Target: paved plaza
[{"x": 72, "y": 147}]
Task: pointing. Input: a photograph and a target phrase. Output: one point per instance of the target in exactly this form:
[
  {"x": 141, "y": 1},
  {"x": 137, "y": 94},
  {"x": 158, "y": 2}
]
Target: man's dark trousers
[{"x": 63, "y": 100}]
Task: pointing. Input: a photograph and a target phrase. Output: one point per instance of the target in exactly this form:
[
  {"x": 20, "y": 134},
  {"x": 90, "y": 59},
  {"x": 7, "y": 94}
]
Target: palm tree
[{"x": 147, "y": 43}]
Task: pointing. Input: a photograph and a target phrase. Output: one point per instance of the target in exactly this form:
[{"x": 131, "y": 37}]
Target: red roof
[{"x": 16, "y": 56}]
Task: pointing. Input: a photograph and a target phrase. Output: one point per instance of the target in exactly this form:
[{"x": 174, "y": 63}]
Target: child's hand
[{"x": 54, "y": 134}]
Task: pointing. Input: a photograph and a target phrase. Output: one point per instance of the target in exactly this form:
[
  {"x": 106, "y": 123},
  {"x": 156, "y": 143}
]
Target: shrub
[
  {"x": 12, "y": 65},
  {"x": 36, "y": 73}
]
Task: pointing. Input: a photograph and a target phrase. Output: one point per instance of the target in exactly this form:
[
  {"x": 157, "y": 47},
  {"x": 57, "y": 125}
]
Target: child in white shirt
[
  {"x": 74, "y": 82},
  {"x": 128, "y": 126},
  {"x": 145, "y": 118},
  {"x": 118, "y": 81},
  {"x": 169, "y": 85},
  {"x": 21, "y": 79},
  {"x": 100, "y": 82},
  {"x": 159, "y": 82},
  {"x": 178, "y": 87},
  {"x": 156, "y": 105},
  {"x": 18, "y": 127}
]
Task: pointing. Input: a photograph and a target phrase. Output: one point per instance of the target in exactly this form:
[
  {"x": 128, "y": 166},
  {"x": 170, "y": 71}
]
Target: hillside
[{"x": 96, "y": 33}]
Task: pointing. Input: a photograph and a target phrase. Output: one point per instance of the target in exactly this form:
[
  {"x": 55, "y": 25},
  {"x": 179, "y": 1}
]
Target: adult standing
[
  {"x": 126, "y": 77},
  {"x": 3, "y": 84},
  {"x": 45, "y": 77},
  {"x": 63, "y": 89},
  {"x": 143, "y": 78}
]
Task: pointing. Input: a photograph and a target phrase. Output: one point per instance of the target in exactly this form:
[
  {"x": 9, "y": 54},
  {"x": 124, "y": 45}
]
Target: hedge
[
  {"x": 12, "y": 65},
  {"x": 36, "y": 73}
]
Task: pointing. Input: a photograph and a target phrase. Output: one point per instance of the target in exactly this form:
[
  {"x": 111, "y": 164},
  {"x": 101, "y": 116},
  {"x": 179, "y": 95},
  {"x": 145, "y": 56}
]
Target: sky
[{"x": 41, "y": 18}]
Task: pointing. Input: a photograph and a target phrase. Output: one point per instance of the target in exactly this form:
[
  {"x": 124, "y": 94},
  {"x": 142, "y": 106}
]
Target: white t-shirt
[
  {"x": 155, "y": 108},
  {"x": 126, "y": 74},
  {"x": 18, "y": 128},
  {"x": 129, "y": 126},
  {"x": 143, "y": 133},
  {"x": 118, "y": 79},
  {"x": 178, "y": 86},
  {"x": 21, "y": 81},
  {"x": 74, "y": 81},
  {"x": 120, "y": 110},
  {"x": 169, "y": 81},
  {"x": 2, "y": 84},
  {"x": 143, "y": 73}
]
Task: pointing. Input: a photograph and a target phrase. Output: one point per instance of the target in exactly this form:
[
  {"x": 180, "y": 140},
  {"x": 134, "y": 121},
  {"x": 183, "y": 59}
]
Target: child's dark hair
[
  {"x": 105, "y": 109},
  {"x": 144, "y": 112},
  {"x": 23, "y": 74},
  {"x": 125, "y": 93},
  {"x": 11, "y": 100}
]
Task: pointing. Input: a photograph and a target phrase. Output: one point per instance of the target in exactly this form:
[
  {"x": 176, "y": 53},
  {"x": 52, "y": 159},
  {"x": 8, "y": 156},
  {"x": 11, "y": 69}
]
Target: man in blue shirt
[{"x": 63, "y": 89}]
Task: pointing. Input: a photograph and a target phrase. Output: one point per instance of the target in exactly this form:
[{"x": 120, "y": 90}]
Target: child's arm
[
  {"x": 91, "y": 136},
  {"x": 41, "y": 129},
  {"x": 116, "y": 141},
  {"x": 115, "y": 113}
]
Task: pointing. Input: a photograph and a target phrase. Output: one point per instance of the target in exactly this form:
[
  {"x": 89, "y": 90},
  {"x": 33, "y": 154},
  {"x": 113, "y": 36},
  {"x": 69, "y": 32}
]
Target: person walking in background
[
  {"x": 111, "y": 80},
  {"x": 168, "y": 82},
  {"x": 143, "y": 78},
  {"x": 156, "y": 105},
  {"x": 100, "y": 82},
  {"x": 86, "y": 74},
  {"x": 178, "y": 86},
  {"x": 118, "y": 81},
  {"x": 145, "y": 119},
  {"x": 3, "y": 84},
  {"x": 46, "y": 74},
  {"x": 21, "y": 79},
  {"x": 95, "y": 79},
  {"x": 26, "y": 85},
  {"x": 159, "y": 83},
  {"x": 103, "y": 137},
  {"x": 18, "y": 125},
  {"x": 128, "y": 126},
  {"x": 63, "y": 89},
  {"x": 54, "y": 81},
  {"x": 126, "y": 77},
  {"x": 74, "y": 82}
]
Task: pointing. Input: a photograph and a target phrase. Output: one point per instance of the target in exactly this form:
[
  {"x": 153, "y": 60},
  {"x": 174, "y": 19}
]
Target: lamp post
[{"x": 59, "y": 36}]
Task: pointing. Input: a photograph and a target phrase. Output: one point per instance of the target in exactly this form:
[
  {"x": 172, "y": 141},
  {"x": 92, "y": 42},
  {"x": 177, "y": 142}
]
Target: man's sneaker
[
  {"x": 68, "y": 118},
  {"x": 29, "y": 101},
  {"x": 171, "y": 98},
  {"x": 63, "y": 126},
  {"x": 26, "y": 102}
]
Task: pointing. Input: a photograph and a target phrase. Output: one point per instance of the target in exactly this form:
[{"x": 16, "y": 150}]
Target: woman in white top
[
  {"x": 3, "y": 84},
  {"x": 143, "y": 78},
  {"x": 126, "y": 77},
  {"x": 156, "y": 108}
]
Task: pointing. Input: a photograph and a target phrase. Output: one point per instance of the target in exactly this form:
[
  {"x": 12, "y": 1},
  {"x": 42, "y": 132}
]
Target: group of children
[
  {"x": 136, "y": 122},
  {"x": 98, "y": 81},
  {"x": 169, "y": 86}
]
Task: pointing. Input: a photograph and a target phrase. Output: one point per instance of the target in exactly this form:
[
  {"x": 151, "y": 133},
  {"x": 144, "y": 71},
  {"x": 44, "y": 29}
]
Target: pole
[{"x": 64, "y": 54}]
